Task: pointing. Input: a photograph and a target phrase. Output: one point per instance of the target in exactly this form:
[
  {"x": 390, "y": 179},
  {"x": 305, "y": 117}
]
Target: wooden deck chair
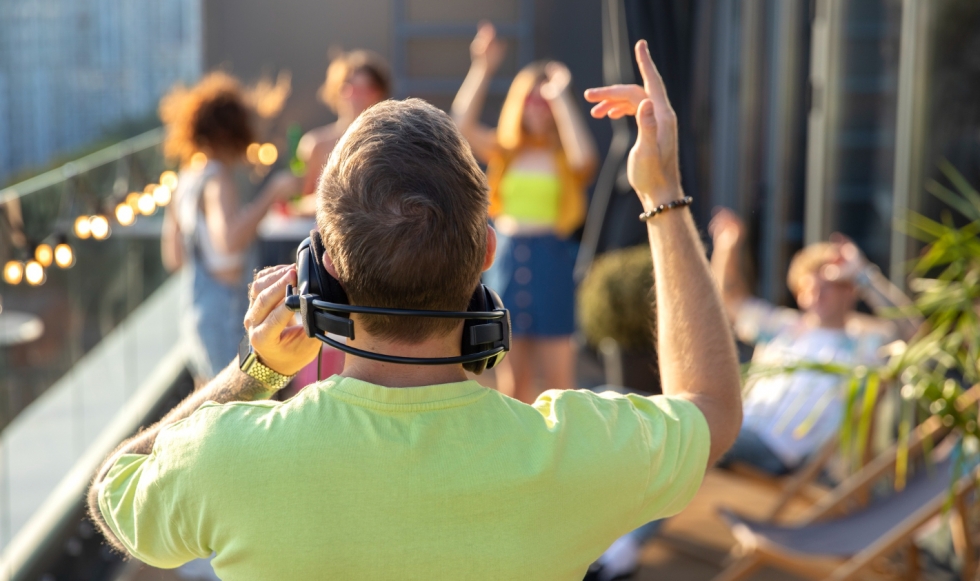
[
  {"x": 844, "y": 548},
  {"x": 802, "y": 484}
]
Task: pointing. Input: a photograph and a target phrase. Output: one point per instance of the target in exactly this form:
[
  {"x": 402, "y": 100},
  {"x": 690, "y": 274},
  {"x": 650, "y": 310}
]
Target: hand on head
[
  {"x": 486, "y": 48},
  {"x": 559, "y": 77},
  {"x": 279, "y": 344},
  {"x": 726, "y": 228},
  {"x": 653, "y": 169},
  {"x": 850, "y": 260}
]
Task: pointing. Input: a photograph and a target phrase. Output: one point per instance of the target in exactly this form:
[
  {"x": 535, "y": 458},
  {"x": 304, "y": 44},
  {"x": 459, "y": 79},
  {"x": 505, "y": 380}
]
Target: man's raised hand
[
  {"x": 653, "y": 169},
  {"x": 279, "y": 344}
]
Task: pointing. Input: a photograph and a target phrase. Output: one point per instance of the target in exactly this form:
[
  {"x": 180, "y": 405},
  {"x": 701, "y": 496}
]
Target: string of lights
[{"x": 56, "y": 249}]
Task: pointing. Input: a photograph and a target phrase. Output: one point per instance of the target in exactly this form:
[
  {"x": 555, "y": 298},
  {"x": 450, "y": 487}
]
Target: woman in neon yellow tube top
[{"x": 539, "y": 160}]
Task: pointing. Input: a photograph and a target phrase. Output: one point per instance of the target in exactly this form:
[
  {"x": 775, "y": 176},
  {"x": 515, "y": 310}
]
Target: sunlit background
[{"x": 805, "y": 116}]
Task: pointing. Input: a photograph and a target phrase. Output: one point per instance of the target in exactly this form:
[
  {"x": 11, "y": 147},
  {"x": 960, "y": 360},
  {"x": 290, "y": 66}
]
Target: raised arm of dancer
[
  {"x": 232, "y": 227},
  {"x": 697, "y": 352},
  {"x": 576, "y": 139},
  {"x": 727, "y": 233},
  {"x": 486, "y": 52}
]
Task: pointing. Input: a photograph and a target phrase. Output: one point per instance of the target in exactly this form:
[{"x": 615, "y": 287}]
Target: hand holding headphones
[{"x": 325, "y": 309}]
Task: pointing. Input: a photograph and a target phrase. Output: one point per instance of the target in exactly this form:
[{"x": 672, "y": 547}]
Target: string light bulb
[
  {"x": 99, "y": 226},
  {"x": 146, "y": 205},
  {"x": 132, "y": 200},
  {"x": 34, "y": 273},
  {"x": 13, "y": 272},
  {"x": 44, "y": 254},
  {"x": 64, "y": 256},
  {"x": 162, "y": 195},
  {"x": 169, "y": 179},
  {"x": 252, "y": 153},
  {"x": 268, "y": 154},
  {"x": 83, "y": 228},
  {"x": 198, "y": 160},
  {"x": 125, "y": 214}
]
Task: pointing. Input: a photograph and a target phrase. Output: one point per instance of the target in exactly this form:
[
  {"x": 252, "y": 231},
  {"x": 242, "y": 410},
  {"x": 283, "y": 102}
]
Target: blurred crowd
[{"x": 540, "y": 158}]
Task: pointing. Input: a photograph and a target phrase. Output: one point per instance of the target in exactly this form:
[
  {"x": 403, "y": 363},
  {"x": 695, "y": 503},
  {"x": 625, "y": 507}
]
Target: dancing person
[
  {"x": 207, "y": 229},
  {"x": 539, "y": 159},
  {"x": 355, "y": 81},
  {"x": 394, "y": 470},
  {"x": 790, "y": 416}
]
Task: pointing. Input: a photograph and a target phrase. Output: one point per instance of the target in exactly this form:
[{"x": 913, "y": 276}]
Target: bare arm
[
  {"x": 727, "y": 233},
  {"x": 697, "y": 352},
  {"x": 171, "y": 247},
  {"x": 232, "y": 228},
  {"x": 883, "y": 296},
  {"x": 486, "y": 52},
  {"x": 886, "y": 299},
  {"x": 576, "y": 139},
  {"x": 283, "y": 348}
]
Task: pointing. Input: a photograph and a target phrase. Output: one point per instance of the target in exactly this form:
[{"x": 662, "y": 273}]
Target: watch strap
[{"x": 273, "y": 379}]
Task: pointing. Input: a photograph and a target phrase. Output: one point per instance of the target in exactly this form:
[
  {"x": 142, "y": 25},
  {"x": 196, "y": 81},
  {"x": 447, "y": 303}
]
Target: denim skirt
[{"x": 533, "y": 276}]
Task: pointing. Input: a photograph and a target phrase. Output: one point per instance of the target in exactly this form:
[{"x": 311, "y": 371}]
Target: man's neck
[{"x": 397, "y": 375}]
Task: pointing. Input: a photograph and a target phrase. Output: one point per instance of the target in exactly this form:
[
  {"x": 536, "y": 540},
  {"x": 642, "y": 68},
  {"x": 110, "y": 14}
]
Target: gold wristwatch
[{"x": 250, "y": 365}]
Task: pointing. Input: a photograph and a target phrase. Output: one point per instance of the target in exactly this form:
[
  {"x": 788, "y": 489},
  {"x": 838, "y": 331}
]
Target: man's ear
[
  {"x": 491, "y": 248},
  {"x": 328, "y": 264}
]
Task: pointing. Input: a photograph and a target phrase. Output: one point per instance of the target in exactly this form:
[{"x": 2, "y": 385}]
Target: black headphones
[{"x": 324, "y": 307}]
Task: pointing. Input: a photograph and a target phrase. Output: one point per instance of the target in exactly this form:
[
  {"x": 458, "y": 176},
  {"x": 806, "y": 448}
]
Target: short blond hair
[{"x": 808, "y": 261}]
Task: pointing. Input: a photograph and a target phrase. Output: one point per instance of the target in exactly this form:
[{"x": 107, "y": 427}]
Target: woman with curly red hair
[{"x": 207, "y": 229}]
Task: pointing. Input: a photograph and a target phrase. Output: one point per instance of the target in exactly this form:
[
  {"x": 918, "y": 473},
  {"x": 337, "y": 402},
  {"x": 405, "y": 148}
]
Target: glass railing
[
  {"x": 88, "y": 322},
  {"x": 80, "y": 249}
]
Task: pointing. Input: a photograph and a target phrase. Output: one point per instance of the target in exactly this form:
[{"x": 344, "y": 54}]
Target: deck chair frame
[{"x": 754, "y": 552}]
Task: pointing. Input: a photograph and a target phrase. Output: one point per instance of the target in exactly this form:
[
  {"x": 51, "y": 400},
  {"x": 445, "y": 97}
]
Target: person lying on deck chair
[
  {"x": 790, "y": 416},
  {"x": 410, "y": 471}
]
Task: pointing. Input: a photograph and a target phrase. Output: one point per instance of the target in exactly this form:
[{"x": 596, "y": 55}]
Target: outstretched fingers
[{"x": 652, "y": 82}]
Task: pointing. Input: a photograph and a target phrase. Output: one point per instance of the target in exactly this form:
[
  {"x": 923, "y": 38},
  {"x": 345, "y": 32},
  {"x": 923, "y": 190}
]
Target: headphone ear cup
[
  {"x": 478, "y": 302},
  {"x": 484, "y": 299},
  {"x": 496, "y": 304},
  {"x": 329, "y": 287}
]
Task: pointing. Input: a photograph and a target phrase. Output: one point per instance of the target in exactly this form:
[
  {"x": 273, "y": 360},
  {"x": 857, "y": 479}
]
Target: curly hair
[{"x": 212, "y": 113}]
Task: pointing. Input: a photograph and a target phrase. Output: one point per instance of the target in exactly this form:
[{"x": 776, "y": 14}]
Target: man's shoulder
[{"x": 215, "y": 425}]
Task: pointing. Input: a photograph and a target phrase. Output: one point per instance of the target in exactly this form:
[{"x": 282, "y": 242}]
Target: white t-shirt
[{"x": 796, "y": 413}]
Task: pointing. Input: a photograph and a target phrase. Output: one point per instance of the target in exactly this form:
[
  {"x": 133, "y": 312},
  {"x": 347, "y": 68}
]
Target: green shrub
[{"x": 615, "y": 299}]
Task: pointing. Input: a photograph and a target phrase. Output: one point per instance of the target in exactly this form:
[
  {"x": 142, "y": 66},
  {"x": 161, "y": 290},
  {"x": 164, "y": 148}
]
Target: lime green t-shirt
[{"x": 353, "y": 481}]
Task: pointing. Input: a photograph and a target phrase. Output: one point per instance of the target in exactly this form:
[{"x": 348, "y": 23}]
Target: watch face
[{"x": 244, "y": 350}]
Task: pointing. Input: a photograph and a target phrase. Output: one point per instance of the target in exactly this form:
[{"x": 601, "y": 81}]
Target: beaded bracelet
[{"x": 685, "y": 201}]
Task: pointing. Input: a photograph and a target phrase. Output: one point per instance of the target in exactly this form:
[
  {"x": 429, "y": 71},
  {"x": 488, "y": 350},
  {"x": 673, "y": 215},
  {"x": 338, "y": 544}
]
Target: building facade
[{"x": 73, "y": 70}]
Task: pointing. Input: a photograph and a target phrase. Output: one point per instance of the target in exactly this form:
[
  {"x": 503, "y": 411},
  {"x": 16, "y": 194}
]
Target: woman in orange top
[{"x": 539, "y": 160}]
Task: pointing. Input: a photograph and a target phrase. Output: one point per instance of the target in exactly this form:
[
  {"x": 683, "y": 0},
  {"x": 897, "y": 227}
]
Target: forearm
[
  {"x": 230, "y": 385},
  {"x": 882, "y": 296},
  {"x": 726, "y": 270},
  {"x": 469, "y": 100},
  {"x": 576, "y": 139},
  {"x": 695, "y": 348},
  {"x": 240, "y": 232},
  {"x": 170, "y": 245}
]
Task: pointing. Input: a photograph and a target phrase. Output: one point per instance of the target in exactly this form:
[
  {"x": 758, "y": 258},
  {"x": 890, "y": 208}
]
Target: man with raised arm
[{"x": 409, "y": 471}]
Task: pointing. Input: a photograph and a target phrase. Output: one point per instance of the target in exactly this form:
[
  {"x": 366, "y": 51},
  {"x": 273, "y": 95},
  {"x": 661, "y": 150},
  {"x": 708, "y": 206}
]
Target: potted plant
[{"x": 616, "y": 317}]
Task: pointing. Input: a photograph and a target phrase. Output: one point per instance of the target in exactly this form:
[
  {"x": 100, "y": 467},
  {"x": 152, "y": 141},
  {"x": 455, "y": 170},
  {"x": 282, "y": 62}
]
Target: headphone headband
[{"x": 324, "y": 308}]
